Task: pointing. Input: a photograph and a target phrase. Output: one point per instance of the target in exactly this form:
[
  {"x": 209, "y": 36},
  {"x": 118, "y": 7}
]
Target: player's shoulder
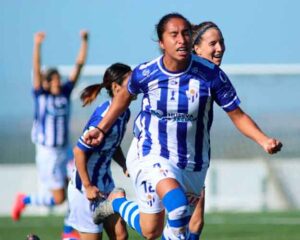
[
  {"x": 102, "y": 107},
  {"x": 146, "y": 69},
  {"x": 205, "y": 68}
]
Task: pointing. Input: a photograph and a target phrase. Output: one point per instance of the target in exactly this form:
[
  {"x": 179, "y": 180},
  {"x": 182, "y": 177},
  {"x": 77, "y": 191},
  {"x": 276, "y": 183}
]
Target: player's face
[
  {"x": 55, "y": 83},
  {"x": 211, "y": 46},
  {"x": 176, "y": 40},
  {"x": 116, "y": 87}
]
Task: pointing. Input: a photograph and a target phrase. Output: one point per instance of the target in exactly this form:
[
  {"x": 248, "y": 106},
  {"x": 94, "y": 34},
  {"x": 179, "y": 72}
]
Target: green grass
[{"x": 219, "y": 226}]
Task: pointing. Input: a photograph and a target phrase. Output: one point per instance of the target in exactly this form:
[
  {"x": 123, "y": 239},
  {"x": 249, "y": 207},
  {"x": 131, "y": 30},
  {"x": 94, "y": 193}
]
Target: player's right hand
[
  {"x": 93, "y": 137},
  {"x": 92, "y": 193}
]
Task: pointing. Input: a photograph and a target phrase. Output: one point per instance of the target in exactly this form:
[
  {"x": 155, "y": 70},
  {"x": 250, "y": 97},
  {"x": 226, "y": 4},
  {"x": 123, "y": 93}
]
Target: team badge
[{"x": 193, "y": 91}]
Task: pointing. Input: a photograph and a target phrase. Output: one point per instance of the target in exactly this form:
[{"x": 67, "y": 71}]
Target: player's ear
[
  {"x": 161, "y": 45},
  {"x": 197, "y": 49},
  {"x": 115, "y": 87}
]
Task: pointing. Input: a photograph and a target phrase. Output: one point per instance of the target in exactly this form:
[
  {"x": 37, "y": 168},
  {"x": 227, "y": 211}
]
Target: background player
[
  {"x": 50, "y": 132},
  {"x": 92, "y": 178}
]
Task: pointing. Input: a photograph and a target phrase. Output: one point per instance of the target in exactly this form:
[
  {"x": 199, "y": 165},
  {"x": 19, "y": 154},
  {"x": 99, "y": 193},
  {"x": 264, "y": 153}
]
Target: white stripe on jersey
[
  {"x": 172, "y": 103},
  {"x": 228, "y": 104},
  {"x": 194, "y": 86},
  {"x": 49, "y": 131},
  {"x": 60, "y": 130}
]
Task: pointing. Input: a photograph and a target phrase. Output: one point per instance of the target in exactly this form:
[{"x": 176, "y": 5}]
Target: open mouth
[
  {"x": 182, "y": 50},
  {"x": 218, "y": 56}
]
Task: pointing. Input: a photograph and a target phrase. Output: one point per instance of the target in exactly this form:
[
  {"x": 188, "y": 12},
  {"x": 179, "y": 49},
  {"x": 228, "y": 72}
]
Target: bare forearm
[
  {"x": 36, "y": 65},
  {"x": 81, "y": 58},
  {"x": 246, "y": 125},
  {"x": 119, "y": 104},
  {"x": 82, "y": 52}
]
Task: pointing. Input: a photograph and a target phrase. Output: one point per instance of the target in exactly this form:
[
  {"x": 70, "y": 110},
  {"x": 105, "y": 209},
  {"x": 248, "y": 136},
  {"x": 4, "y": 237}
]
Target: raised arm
[
  {"x": 37, "y": 74},
  {"x": 81, "y": 57},
  {"x": 251, "y": 130}
]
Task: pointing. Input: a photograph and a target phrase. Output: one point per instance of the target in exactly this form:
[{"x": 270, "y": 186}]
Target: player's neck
[{"x": 174, "y": 65}]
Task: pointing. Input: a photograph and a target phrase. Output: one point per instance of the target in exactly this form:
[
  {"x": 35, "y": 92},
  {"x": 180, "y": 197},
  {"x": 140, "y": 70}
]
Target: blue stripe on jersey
[
  {"x": 78, "y": 182},
  {"x": 200, "y": 133},
  {"x": 96, "y": 170},
  {"x": 107, "y": 179},
  {"x": 162, "y": 125},
  {"x": 146, "y": 146},
  {"x": 182, "y": 126},
  {"x": 55, "y": 132}
]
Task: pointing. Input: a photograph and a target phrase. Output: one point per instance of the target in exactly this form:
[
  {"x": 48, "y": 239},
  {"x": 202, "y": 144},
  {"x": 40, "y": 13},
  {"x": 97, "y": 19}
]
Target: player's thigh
[{"x": 193, "y": 183}]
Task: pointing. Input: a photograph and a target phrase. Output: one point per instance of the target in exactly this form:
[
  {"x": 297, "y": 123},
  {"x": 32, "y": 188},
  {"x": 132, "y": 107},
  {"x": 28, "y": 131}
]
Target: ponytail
[{"x": 89, "y": 94}]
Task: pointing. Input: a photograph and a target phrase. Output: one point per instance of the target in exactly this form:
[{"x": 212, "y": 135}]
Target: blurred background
[{"x": 262, "y": 59}]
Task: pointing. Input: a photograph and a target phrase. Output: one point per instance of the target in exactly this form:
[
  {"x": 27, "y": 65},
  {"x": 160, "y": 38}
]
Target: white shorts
[
  {"x": 81, "y": 211},
  {"x": 147, "y": 171},
  {"x": 51, "y": 164}
]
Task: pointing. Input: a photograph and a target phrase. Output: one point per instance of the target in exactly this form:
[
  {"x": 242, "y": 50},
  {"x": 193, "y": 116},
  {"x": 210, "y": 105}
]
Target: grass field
[{"x": 219, "y": 226}]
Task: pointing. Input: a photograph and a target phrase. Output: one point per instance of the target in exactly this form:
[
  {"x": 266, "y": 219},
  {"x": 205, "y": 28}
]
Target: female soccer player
[
  {"x": 50, "y": 132},
  {"x": 92, "y": 177},
  {"x": 173, "y": 139},
  {"x": 207, "y": 42}
]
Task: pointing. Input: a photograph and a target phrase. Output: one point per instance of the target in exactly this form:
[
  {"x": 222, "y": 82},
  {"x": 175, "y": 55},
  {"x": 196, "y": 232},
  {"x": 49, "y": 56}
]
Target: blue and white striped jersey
[
  {"x": 177, "y": 110},
  {"x": 98, "y": 165},
  {"x": 51, "y": 117}
]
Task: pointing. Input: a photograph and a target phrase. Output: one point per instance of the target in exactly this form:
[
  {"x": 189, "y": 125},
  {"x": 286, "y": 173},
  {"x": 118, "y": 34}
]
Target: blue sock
[
  {"x": 176, "y": 203},
  {"x": 67, "y": 229},
  {"x": 129, "y": 211},
  {"x": 40, "y": 200},
  {"x": 194, "y": 236},
  {"x": 27, "y": 200}
]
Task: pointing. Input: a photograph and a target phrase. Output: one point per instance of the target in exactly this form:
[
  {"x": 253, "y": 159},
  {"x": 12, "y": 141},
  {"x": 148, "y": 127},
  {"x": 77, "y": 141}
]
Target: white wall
[{"x": 251, "y": 185}]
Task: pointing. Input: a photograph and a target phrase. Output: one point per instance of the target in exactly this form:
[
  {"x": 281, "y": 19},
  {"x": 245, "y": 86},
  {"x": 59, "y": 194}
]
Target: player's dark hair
[
  {"x": 115, "y": 73},
  {"x": 50, "y": 72},
  {"x": 200, "y": 29},
  {"x": 160, "y": 27}
]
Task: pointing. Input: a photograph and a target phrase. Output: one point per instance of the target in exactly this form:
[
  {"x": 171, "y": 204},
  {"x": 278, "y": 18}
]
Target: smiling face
[
  {"x": 176, "y": 41},
  {"x": 211, "y": 46}
]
